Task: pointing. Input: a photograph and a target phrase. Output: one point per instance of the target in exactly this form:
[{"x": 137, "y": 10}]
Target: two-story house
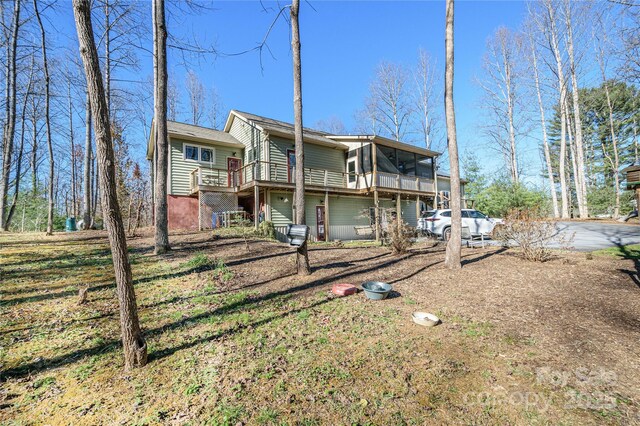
[{"x": 250, "y": 167}]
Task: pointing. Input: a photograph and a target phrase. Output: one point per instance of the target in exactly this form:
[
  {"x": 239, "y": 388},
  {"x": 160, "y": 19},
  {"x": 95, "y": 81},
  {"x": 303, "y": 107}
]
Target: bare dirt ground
[{"x": 249, "y": 342}]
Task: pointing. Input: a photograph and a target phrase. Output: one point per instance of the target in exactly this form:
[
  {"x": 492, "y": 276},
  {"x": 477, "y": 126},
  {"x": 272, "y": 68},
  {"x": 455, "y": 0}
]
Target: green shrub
[
  {"x": 503, "y": 196},
  {"x": 267, "y": 230}
]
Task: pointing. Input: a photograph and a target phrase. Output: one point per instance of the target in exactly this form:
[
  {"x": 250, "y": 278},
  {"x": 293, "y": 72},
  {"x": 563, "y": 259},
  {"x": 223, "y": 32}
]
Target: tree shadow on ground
[{"x": 109, "y": 346}]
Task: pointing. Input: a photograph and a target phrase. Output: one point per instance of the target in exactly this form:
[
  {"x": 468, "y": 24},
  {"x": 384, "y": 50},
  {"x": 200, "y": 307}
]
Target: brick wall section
[{"x": 183, "y": 212}]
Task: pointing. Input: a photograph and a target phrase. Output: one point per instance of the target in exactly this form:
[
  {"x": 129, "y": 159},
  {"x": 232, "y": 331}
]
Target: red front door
[
  {"x": 234, "y": 178},
  {"x": 291, "y": 165},
  {"x": 320, "y": 223}
]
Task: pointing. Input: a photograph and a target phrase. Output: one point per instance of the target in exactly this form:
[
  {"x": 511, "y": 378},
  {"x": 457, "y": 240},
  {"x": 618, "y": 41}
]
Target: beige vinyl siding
[
  {"x": 316, "y": 157},
  {"x": 181, "y": 168}
]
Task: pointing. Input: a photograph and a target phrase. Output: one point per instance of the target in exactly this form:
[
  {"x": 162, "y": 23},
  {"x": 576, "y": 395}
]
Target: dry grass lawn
[{"x": 236, "y": 338}]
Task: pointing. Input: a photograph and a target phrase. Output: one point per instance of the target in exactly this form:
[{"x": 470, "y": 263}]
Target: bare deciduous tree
[
  {"x": 161, "y": 151},
  {"x": 543, "y": 124},
  {"x": 215, "y": 108},
  {"x": 500, "y": 87},
  {"x": 332, "y": 125},
  {"x": 196, "y": 94},
  {"x": 614, "y": 160},
  {"x": 302, "y": 255},
  {"x": 426, "y": 105},
  {"x": 86, "y": 212},
  {"x": 47, "y": 98},
  {"x": 389, "y": 100},
  {"x": 581, "y": 185},
  {"x": 9, "y": 130},
  {"x": 547, "y": 24},
  {"x": 452, "y": 257},
  {"x": 173, "y": 101},
  {"x": 134, "y": 345}
]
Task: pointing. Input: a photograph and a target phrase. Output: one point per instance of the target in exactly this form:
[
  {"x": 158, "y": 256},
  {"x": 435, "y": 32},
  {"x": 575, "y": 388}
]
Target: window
[
  {"x": 446, "y": 214},
  {"x": 424, "y": 166},
  {"x": 206, "y": 155},
  {"x": 366, "y": 161},
  {"x": 476, "y": 214},
  {"x": 199, "y": 154},
  {"x": 386, "y": 159},
  {"x": 351, "y": 170},
  {"x": 406, "y": 163},
  {"x": 190, "y": 152},
  {"x": 465, "y": 214}
]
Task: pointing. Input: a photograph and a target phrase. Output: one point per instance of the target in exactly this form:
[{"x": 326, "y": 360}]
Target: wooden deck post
[
  {"x": 256, "y": 205},
  {"x": 417, "y": 209},
  {"x": 399, "y": 212},
  {"x": 326, "y": 216},
  {"x": 377, "y": 213}
]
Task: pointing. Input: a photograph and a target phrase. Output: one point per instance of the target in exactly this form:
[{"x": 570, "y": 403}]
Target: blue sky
[{"x": 342, "y": 42}]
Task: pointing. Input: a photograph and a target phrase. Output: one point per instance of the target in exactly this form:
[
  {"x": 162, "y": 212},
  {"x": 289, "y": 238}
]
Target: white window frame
[
  {"x": 199, "y": 148},
  {"x": 353, "y": 160}
]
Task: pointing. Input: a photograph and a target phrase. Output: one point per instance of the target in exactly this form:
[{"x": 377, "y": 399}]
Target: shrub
[
  {"x": 399, "y": 239},
  {"x": 267, "y": 230},
  {"x": 528, "y": 230},
  {"x": 501, "y": 197}
]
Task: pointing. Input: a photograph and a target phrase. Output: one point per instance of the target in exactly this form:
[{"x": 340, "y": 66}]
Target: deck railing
[
  {"x": 282, "y": 173},
  {"x": 410, "y": 183}
]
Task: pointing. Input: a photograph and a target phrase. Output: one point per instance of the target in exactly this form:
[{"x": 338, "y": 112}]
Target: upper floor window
[
  {"x": 351, "y": 170},
  {"x": 397, "y": 161},
  {"x": 199, "y": 153}
]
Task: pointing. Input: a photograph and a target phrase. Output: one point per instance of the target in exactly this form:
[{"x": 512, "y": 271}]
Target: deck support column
[
  {"x": 418, "y": 212},
  {"x": 256, "y": 205},
  {"x": 326, "y": 216},
  {"x": 399, "y": 213},
  {"x": 377, "y": 213}
]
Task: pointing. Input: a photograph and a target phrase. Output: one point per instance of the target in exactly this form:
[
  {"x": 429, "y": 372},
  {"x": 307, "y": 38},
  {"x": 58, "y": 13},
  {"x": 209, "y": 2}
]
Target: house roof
[
  {"x": 191, "y": 132},
  {"x": 447, "y": 176},
  {"x": 282, "y": 128},
  {"x": 631, "y": 168},
  {"x": 380, "y": 140}
]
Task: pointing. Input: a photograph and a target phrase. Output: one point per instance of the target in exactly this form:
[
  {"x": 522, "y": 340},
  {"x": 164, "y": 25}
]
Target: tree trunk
[
  {"x": 74, "y": 200},
  {"x": 545, "y": 142},
  {"x": 562, "y": 89},
  {"x": 34, "y": 148},
  {"x": 452, "y": 258},
  {"x": 581, "y": 186},
  {"x": 23, "y": 117},
  {"x": 134, "y": 345},
  {"x": 615, "y": 162},
  {"x": 302, "y": 255},
  {"x": 513, "y": 157},
  {"x": 107, "y": 55},
  {"x": 10, "y": 111},
  {"x": 47, "y": 118},
  {"x": 562, "y": 161},
  {"x": 86, "y": 214},
  {"x": 574, "y": 164},
  {"x": 161, "y": 136}
]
